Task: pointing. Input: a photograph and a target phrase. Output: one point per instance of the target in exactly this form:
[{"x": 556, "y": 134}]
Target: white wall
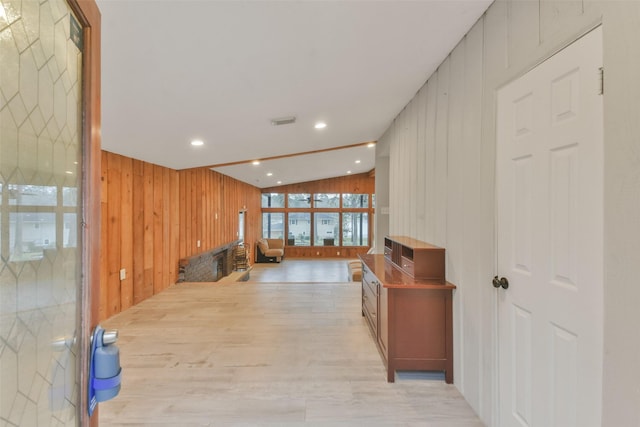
[{"x": 441, "y": 163}]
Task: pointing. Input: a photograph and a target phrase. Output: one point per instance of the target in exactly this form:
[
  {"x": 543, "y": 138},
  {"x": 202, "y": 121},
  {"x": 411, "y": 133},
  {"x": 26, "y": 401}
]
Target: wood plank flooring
[
  {"x": 301, "y": 271},
  {"x": 266, "y": 354}
]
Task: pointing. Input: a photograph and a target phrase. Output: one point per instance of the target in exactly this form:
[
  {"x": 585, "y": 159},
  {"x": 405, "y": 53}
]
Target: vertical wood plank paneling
[
  {"x": 158, "y": 260},
  {"x": 182, "y": 197},
  {"x": 363, "y": 183},
  {"x": 429, "y": 159},
  {"x": 126, "y": 232},
  {"x": 152, "y": 216},
  {"x": 393, "y": 179},
  {"x": 622, "y": 212},
  {"x": 472, "y": 245},
  {"x": 216, "y": 208},
  {"x": 228, "y": 220},
  {"x": 524, "y": 30},
  {"x": 399, "y": 173},
  {"x": 357, "y": 183},
  {"x": 186, "y": 226},
  {"x": 174, "y": 235},
  {"x": 166, "y": 227},
  {"x": 512, "y": 37},
  {"x": 413, "y": 172},
  {"x": 454, "y": 164},
  {"x": 200, "y": 186},
  {"x": 388, "y": 142},
  {"x": 197, "y": 193},
  {"x": 204, "y": 224},
  {"x": 421, "y": 169},
  {"x": 138, "y": 231},
  {"x": 554, "y": 15},
  {"x": 208, "y": 233},
  {"x": 455, "y": 214},
  {"x": 147, "y": 290},
  {"x": 495, "y": 52},
  {"x": 187, "y": 237},
  {"x": 404, "y": 168},
  {"x": 104, "y": 233},
  {"x": 114, "y": 221},
  {"x": 442, "y": 130}
]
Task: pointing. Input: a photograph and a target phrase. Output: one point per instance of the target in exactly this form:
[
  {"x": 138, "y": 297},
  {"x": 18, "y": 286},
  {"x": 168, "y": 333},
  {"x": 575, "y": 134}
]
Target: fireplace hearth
[{"x": 209, "y": 266}]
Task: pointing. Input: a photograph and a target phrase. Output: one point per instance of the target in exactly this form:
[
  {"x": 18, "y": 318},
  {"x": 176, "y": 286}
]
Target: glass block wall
[{"x": 40, "y": 144}]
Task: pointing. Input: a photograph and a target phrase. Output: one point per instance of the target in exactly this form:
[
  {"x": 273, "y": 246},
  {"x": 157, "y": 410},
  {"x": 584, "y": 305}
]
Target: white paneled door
[{"x": 550, "y": 244}]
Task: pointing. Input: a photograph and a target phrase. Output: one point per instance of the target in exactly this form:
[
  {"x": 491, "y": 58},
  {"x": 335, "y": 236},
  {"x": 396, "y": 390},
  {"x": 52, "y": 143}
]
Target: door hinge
[{"x": 601, "y": 86}]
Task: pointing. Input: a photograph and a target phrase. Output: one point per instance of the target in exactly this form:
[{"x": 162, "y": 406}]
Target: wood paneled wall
[
  {"x": 152, "y": 216},
  {"x": 442, "y": 181},
  {"x": 357, "y": 183},
  {"x": 363, "y": 183},
  {"x": 140, "y": 231},
  {"x": 209, "y": 206}
]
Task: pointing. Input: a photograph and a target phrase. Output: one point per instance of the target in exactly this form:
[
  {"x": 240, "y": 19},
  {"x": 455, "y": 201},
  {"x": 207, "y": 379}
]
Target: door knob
[{"x": 501, "y": 282}]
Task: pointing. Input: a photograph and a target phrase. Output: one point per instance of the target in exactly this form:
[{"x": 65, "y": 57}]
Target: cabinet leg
[
  {"x": 448, "y": 376},
  {"x": 391, "y": 374}
]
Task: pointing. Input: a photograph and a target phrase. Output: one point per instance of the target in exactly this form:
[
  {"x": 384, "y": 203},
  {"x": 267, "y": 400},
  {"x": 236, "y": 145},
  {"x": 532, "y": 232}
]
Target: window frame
[{"x": 312, "y": 210}]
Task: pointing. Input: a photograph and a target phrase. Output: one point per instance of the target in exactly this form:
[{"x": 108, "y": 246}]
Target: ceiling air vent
[{"x": 283, "y": 121}]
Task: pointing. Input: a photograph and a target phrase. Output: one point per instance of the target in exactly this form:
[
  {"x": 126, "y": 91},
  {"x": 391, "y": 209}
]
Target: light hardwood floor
[{"x": 255, "y": 353}]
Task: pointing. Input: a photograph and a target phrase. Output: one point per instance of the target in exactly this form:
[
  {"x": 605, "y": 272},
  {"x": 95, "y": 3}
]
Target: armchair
[{"x": 270, "y": 250}]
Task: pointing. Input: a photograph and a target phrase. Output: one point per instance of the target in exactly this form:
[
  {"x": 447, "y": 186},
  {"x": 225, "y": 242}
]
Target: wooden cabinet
[{"x": 410, "y": 318}]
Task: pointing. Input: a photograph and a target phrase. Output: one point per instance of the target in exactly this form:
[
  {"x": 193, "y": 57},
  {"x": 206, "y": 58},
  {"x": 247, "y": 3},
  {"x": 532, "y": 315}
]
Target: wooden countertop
[{"x": 391, "y": 276}]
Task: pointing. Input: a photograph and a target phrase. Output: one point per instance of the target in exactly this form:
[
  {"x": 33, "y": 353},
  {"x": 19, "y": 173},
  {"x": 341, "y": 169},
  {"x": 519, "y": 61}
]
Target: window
[
  {"x": 272, "y": 200},
  {"x": 318, "y": 219},
  {"x": 70, "y": 232},
  {"x": 273, "y": 225},
  {"x": 70, "y": 196},
  {"x": 355, "y": 229},
  {"x": 355, "y": 200},
  {"x": 326, "y": 200},
  {"x": 32, "y": 195},
  {"x": 299, "y": 200},
  {"x": 299, "y": 232},
  {"x": 327, "y": 228},
  {"x": 28, "y": 242}
]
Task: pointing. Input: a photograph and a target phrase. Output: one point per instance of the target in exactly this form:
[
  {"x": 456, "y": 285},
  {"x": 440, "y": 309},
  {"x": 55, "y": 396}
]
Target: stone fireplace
[{"x": 209, "y": 266}]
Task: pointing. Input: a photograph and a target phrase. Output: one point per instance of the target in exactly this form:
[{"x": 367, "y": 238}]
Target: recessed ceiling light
[
  {"x": 279, "y": 182},
  {"x": 69, "y": 172},
  {"x": 269, "y": 173},
  {"x": 357, "y": 161},
  {"x": 320, "y": 125},
  {"x": 255, "y": 162},
  {"x": 348, "y": 171},
  {"x": 197, "y": 142},
  {"x": 370, "y": 145}
]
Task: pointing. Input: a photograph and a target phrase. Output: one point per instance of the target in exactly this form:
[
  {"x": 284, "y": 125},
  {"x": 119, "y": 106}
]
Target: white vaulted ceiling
[{"x": 219, "y": 71}]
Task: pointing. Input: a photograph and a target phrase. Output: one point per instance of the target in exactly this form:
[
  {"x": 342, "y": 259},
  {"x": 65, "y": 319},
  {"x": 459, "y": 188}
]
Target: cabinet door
[{"x": 370, "y": 299}]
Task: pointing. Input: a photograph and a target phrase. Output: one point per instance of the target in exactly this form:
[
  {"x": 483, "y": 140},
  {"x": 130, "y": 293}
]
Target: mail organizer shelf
[{"x": 418, "y": 259}]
